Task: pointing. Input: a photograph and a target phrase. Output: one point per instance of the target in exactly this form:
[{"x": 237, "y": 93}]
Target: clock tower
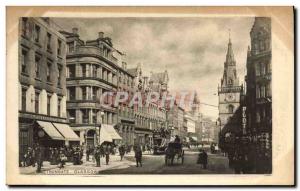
[{"x": 229, "y": 93}]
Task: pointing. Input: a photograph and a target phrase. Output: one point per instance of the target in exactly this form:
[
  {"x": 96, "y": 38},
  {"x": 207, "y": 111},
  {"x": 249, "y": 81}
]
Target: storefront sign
[{"x": 42, "y": 117}]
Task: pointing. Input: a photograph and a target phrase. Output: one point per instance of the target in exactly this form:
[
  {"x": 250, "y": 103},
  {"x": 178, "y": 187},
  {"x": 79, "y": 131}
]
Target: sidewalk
[{"x": 88, "y": 167}]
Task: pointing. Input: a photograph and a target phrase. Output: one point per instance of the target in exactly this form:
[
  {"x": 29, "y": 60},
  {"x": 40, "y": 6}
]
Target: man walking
[
  {"x": 39, "y": 157},
  {"x": 138, "y": 155},
  {"x": 97, "y": 156},
  {"x": 122, "y": 151},
  {"x": 87, "y": 152}
]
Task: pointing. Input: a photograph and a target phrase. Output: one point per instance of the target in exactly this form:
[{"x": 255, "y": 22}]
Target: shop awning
[
  {"x": 66, "y": 131},
  {"x": 104, "y": 136},
  {"x": 50, "y": 130},
  {"x": 111, "y": 130}
]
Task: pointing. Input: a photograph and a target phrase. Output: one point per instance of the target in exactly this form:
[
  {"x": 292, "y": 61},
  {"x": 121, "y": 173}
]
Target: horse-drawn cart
[{"x": 174, "y": 150}]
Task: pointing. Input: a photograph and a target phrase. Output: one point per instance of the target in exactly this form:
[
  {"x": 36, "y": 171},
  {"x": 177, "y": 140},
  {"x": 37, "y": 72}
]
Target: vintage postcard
[{"x": 150, "y": 96}]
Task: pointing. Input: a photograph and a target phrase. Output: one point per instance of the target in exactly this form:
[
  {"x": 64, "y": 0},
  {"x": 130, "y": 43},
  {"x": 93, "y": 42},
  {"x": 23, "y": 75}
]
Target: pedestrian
[
  {"x": 62, "y": 158},
  {"x": 122, "y": 151},
  {"x": 138, "y": 155},
  {"x": 97, "y": 155},
  {"x": 87, "y": 152},
  {"x": 39, "y": 150},
  {"x": 202, "y": 158},
  {"x": 107, "y": 152}
]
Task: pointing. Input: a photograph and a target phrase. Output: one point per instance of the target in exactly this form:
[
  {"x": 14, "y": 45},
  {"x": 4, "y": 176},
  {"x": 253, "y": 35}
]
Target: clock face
[{"x": 230, "y": 97}]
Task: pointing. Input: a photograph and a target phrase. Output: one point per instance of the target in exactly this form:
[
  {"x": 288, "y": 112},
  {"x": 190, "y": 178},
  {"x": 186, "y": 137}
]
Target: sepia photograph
[{"x": 147, "y": 95}]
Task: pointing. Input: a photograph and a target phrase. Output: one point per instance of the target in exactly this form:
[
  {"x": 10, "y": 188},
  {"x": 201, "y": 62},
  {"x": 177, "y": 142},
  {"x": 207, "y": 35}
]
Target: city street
[
  {"x": 152, "y": 164},
  {"x": 155, "y": 164}
]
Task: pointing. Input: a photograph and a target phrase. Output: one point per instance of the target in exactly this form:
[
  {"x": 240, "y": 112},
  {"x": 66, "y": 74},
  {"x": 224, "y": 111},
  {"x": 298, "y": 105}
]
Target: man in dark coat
[
  {"x": 39, "y": 153},
  {"x": 202, "y": 159},
  {"x": 87, "y": 152},
  {"x": 122, "y": 151},
  {"x": 107, "y": 152},
  {"x": 138, "y": 155},
  {"x": 97, "y": 155}
]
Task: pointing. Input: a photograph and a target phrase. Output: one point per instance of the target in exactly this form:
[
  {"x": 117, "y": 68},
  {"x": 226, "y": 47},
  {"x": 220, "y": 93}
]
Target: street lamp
[{"x": 102, "y": 114}]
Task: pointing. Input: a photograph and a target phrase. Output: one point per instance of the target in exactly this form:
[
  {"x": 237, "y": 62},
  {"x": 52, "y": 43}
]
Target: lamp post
[{"x": 102, "y": 114}]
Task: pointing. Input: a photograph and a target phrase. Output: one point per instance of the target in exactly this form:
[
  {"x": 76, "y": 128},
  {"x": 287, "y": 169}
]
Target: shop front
[
  {"x": 143, "y": 136},
  {"x": 43, "y": 130}
]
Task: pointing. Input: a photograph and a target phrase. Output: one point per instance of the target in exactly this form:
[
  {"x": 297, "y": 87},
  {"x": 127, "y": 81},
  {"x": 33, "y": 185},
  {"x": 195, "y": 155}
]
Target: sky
[{"x": 191, "y": 49}]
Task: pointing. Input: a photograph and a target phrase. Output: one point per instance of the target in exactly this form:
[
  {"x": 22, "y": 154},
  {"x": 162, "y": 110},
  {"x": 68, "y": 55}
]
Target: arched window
[
  {"x": 230, "y": 108},
  {"x": 230, "y": 82}
]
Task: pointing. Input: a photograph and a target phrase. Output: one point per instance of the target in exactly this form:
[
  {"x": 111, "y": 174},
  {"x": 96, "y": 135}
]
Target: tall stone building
[
  {"x": 229, "y": 97},
  {"x": 148, "y": 118},
  {"x": 42, "y": 85},
  {"x": 126, "y": 120},
  {"x": 92, "y": 79},
  {"x": 259, "y": 93}
]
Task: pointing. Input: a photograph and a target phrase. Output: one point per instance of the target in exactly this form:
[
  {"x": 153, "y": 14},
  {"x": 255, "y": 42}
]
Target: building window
[
  {"x": 263, "y": 69},
  {"x": 230, "y": 108},
  {"x": 49, "y": 64},
  {"x": 230, "y": 82},
  {"x": 257, "y": 91},
  {"x": 94, "y": 69},
  {"x": 36, "y": 99},
  {"x": 85, "y": 116},
  {"x": 94, "y": 93},
  {"x": 257, "y": 116},
  {"x": 263, "y": 91},
  {"x": 72, "y": 71},
  {"x": 48, "y": 105},
  {"x": 268, "y": 90},
  {"x": 24, "y": 61},
  {"x": 59, "y": 75},
  {"x": 83, "y": 66},
  {"x": 94, "y": 113},
  {"x": 49, "y": 41},
  {"x": 37, "y": 31},
  {"x": 24, "y": 26},
  {"x": 58, "y": 47},
  {"x": 37, "y": 66},
  {"x": 71, "y": 47},
  {"x": 84, "y": 93},
  {"x": 257, "y": 67},
  {"x": 72, "y": 93},
  {"x": 23, "y": 99},
  {"x": 71, "y": 115},
  {"x": 58, "y": 107}
]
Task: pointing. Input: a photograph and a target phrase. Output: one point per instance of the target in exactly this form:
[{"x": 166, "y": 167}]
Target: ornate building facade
[
  {"x": 92, "y": 71},
  {"x": 42, "y": 85},
  {"x": 229, "y": 93},
  {"x": 259, "y": 93}
]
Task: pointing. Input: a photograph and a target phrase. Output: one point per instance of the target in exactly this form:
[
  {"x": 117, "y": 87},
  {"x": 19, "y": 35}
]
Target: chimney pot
[
  {"x": 100, "y": 34},
  {"x": 75, "y": 30}
]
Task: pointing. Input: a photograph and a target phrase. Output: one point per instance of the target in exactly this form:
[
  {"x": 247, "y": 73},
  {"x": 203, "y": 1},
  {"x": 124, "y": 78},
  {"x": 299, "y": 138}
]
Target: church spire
[
  {"x": 230, "y": 56},
  {"x": 230, "y": 74}
]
